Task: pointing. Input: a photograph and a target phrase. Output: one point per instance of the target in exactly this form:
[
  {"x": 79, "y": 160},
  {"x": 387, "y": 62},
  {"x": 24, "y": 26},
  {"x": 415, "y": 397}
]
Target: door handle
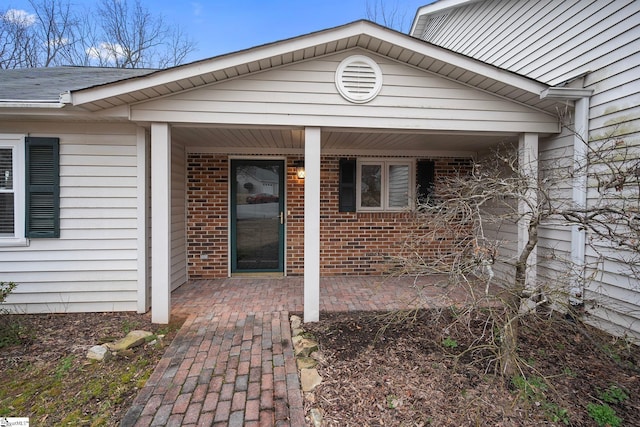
[{"x": 281, "y": 217}]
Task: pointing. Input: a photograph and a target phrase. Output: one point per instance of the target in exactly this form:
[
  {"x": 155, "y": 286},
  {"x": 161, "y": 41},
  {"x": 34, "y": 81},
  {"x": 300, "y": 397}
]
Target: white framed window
[
  {"x": 12, "y": 190},
  {"x": 384, "y": 184}
]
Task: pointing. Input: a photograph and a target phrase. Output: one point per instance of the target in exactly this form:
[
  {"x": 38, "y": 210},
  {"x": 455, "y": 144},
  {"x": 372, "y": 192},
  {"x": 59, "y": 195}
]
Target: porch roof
[{"x": 360, "y": 34}]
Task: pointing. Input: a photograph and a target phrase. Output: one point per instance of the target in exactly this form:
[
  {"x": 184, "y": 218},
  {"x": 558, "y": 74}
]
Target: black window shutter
[
  {"x": 424, "y": 178},
  {"x": 42, "y": 187},
  {"x": 347, "y": 186}
]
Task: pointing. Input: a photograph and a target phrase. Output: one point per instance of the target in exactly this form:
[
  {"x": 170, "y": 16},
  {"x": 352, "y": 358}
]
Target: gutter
[
  {"x": 30, "y": 103},
  {"x": 579, "y": 192},
  {"x": 64, "y": 99}
]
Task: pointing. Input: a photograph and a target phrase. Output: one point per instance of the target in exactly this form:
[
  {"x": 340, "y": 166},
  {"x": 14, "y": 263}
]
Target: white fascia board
[{"x": 565, "y": 93}]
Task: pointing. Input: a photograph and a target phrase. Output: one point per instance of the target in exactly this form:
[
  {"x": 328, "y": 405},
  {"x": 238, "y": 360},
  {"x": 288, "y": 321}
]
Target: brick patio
[{"x": 232, "y": 364}]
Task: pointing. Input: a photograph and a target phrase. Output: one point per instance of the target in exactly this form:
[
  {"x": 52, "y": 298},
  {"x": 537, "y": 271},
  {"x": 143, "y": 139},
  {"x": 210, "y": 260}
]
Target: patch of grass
[
  {"x": 64, "y": 366},
  {"x": 613, "y": 394},
  {"x": 11, "y": 331},
  {"x": 604, "y": 415},
  {"x": 532, "y": 388},
  {"x": 556, "y": 414},
  {"x": 449, "y": 342}
]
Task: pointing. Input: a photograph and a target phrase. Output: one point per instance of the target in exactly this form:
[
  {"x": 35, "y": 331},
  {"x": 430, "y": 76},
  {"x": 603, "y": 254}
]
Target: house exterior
[
  {"x": 587, "y": 52},
  {"x": 124, "y": 187}
]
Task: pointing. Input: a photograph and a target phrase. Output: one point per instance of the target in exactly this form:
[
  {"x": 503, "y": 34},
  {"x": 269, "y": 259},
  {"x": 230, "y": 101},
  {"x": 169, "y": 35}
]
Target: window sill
[{"x": 8, "y": 242}]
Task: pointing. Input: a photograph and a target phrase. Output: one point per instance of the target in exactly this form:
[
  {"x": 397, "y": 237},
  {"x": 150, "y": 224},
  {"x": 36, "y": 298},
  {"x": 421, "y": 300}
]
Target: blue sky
[{"x": 222, "y": 26}]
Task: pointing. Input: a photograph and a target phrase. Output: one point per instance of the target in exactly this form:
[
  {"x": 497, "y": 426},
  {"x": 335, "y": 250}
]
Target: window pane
[
  {"x": 398, "y": 186},
  {"x": 6, "y": 168},
  {"x": 370, "y": 190},
  {"x": 6, "y": 214}
]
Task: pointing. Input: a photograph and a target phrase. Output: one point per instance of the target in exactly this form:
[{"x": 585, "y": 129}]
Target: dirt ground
[
  {"x": 425, "y": 372},
  {"x": 47, "y": 377},
  {"x": 434, "y": 371}
]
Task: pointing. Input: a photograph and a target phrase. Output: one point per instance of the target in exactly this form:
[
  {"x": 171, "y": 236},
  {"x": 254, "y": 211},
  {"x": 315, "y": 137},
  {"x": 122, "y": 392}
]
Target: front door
[{"x": 257, "y": 216}]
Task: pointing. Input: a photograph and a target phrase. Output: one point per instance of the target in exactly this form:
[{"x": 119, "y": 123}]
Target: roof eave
[
  {"x": 325, "y": 37},
  {"x": 435, "y": 7}
]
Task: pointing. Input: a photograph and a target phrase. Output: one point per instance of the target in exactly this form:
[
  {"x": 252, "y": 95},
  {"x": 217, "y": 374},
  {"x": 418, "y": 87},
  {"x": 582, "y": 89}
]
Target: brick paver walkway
[{"x": 232, "y": 363}]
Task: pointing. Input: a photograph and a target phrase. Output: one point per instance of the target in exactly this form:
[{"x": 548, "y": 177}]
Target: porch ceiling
[{"x": 334, "y": 141}]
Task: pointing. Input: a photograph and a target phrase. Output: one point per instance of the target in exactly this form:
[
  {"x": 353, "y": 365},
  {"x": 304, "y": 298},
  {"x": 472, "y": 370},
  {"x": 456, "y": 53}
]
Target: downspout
[{"x": 579, "y": 192}]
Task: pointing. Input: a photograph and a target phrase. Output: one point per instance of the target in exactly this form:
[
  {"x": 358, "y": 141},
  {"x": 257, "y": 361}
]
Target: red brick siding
[
  {"x": 352, "y": 243},
  {"x": 207, "y": 220}
]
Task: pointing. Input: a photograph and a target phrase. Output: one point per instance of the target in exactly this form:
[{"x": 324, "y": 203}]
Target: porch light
[{"x": 299, "y": 164}]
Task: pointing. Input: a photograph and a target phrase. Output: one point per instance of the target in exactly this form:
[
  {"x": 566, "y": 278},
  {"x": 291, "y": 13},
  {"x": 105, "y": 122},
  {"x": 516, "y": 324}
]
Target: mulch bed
[{"x": 433, "y": 370}]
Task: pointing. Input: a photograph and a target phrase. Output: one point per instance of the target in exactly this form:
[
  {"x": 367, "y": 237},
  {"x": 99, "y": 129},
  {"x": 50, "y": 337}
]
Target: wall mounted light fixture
[{"x": 299, "y": 164}]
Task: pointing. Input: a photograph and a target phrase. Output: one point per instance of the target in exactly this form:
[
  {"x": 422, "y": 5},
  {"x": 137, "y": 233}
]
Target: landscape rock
[
  {"x": 306, "y": 363},
  {"x": 133, "y": 339},
  {"x": 310, "y": 379},
  {"x": 98, "y": 352},
  {"x": 304, "y": 347},
  {"x": 316, "y": 417},
  {"x": 296, "y": 322}
]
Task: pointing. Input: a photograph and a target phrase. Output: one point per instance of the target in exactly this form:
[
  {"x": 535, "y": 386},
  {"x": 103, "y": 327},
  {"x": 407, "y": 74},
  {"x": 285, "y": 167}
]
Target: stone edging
[{"x": 307, "y": 356}]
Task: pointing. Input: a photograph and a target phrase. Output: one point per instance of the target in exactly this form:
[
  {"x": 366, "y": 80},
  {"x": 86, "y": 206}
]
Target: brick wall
[{"x": 352, "y": 243}]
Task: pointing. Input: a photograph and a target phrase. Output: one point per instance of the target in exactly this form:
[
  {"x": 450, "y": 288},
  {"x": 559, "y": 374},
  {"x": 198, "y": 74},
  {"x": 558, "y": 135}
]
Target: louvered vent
[{"x": 358, "y": 79}]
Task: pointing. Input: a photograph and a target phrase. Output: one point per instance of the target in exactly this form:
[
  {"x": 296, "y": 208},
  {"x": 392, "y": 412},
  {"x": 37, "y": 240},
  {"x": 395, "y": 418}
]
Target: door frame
[{"x": 230, "y": 238}]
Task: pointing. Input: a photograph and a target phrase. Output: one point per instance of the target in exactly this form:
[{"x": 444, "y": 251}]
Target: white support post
[
  {"x": 528, "y": 164},
  {"x": 312, "y": 224},
  {"x": 578, "y": 234},
  {"x": 160, "y": 222},
  {"x": 141, "y": 184}
]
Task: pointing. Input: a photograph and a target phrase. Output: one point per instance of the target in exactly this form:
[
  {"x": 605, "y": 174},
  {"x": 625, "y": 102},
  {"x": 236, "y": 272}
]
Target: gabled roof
[
  {"x": 47, "y": 84},
  {"x": 360, "y": 34}
]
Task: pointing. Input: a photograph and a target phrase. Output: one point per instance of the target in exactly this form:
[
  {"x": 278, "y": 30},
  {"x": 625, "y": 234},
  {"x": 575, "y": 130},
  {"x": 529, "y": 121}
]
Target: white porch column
[
  {"x": 142, "y": 180},
  {"x": 528, "y": 164},
  {"x": 160, "y": 222},
  {"x": 312, "y": 224}
]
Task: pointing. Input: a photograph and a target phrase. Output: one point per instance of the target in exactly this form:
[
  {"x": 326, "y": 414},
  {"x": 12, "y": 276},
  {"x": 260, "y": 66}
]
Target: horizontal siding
[
  {"x": 546, "y": 40},
  {"x": 93, "y": 265},
  {"x": 305, "y": 94},
  {"x": 178, "y": 217},
  {"x": 553, "y": 42}
]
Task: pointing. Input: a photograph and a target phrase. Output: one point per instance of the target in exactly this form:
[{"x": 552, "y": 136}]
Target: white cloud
[
  {"x": 20, "y": 17},
  {"x": 106, "y": 52}
]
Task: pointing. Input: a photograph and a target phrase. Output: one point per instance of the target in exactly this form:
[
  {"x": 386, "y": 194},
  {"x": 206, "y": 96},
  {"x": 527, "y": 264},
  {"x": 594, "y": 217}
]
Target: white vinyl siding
[
  {"x": 547, "y": 40},
  {"x": 305, "y": 94},
  {"x": 93, "y": 265},
  {"x": 178, "y": 217},
  {"x": 596, "y": 42}
]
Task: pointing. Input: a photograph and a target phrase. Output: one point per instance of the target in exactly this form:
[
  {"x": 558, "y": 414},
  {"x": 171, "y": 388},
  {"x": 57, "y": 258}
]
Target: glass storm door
[{"x": 257, "y": 216}]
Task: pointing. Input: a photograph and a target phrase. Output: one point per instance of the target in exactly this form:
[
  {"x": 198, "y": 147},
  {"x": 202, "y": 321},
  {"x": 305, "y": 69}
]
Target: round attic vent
[{"x": 358, "y": 79}]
